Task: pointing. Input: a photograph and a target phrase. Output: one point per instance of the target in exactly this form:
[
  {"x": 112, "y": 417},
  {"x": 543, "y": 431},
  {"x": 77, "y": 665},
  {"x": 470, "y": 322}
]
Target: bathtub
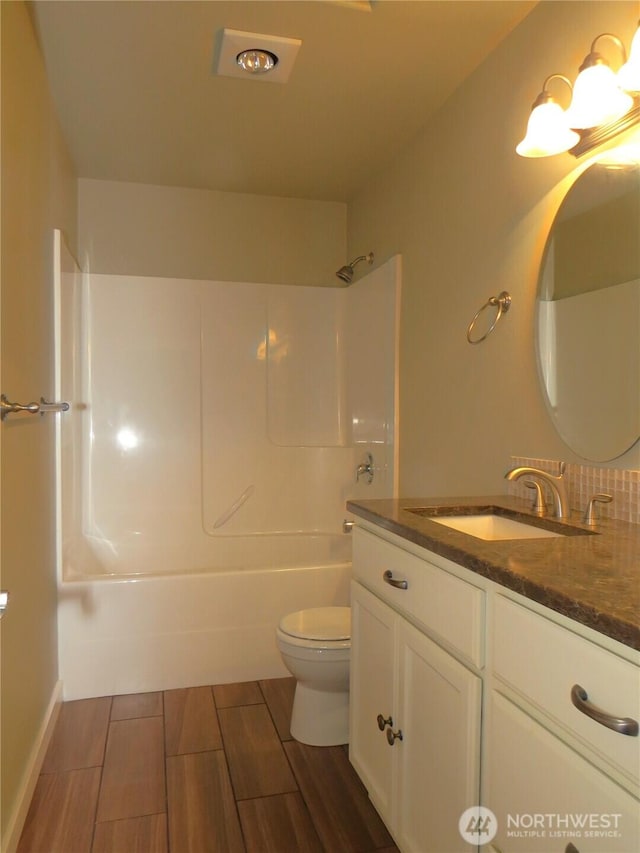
[{"x": 136, "y": 632}]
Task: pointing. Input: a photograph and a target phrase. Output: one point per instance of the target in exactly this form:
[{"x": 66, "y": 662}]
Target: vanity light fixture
[
  {"x": 603, "y": 104},
  {"x": 547, "y": 131}
]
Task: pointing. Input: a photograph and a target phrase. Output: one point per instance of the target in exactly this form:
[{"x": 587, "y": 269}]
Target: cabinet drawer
[
  {"x": 543, "y": 661},
  {"x": 446, "y": 606},
  {"x": 532, "y": 772}
]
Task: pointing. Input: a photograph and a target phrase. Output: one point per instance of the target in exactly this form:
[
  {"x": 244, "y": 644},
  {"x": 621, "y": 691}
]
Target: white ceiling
[{"x": 138, "y": 100}]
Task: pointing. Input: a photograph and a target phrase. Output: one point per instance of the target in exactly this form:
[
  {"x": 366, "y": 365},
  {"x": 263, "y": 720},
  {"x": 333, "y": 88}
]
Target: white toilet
[{"x": 315, "y": 645}]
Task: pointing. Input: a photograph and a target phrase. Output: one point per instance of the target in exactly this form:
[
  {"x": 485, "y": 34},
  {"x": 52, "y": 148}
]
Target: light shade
[
  {"x": 597, "y": 99},
  {"x": 629, "y": 74},
  {"x": 547, "y": 132}
]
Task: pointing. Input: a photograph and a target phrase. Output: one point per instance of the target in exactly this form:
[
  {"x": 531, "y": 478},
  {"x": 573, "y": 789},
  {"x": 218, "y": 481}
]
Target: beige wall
[
  {"x": 38, "y": 194},
  {"x": 137, "y": 229},
  {"x": 470, "y": 218}
]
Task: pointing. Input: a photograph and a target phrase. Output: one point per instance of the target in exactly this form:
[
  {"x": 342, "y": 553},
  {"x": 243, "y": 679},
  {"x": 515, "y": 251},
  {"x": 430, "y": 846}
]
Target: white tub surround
[{"x": 215, "y": 428}]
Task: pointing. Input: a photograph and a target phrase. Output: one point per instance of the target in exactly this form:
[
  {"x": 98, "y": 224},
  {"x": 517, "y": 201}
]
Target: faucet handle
[
  {"x": 590, "y": 515},
  {"x": 367, "y": 468},
  {"x": 539, "y": 506}
]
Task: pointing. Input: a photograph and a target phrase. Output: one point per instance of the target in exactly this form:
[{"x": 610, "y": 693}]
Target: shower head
[{"x": 346, "y": 273}]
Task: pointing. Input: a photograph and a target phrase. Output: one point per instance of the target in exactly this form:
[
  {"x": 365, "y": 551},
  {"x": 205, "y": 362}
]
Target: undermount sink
[
  {"x": 494, "y": 527},
  {"x": 493, "y": 522},
  {"x": 490, "y": 522}
]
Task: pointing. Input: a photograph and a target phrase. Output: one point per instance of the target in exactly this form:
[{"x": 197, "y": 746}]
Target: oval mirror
[{"x": 588, "y": 313}]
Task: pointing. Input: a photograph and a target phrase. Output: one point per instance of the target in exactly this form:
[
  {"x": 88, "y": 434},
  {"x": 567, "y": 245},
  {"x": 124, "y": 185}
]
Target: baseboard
[{"x": 15, "y": 824}]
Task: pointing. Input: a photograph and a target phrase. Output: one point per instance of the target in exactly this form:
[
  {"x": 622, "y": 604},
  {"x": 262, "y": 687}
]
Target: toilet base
[{"x": 320, "y": 717}]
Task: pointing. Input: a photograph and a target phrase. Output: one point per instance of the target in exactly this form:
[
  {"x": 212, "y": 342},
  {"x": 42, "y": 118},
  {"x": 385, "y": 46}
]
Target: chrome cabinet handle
[
  {"x": 392, "y": 736},
  {"x": 383, "y": 722},
  {"x": 622, "y": 725},
  {"x": 4, "y": 600},
  {"x": 388, "y": 577}
]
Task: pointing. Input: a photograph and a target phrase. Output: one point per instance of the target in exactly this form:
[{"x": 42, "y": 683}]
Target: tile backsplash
[{"x": 584, "y": 481}]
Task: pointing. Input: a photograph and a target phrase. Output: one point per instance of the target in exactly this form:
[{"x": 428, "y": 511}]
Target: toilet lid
[{"x": 318, "y": 623}]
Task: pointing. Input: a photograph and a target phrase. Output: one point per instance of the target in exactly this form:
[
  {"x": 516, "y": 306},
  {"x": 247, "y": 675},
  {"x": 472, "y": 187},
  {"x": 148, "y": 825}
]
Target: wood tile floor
[{"x": 196, "y": 770}]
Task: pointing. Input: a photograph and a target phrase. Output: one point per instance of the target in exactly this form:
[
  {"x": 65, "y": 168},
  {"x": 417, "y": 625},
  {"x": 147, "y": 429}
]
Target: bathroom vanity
[{"x": 500, "y": 673}]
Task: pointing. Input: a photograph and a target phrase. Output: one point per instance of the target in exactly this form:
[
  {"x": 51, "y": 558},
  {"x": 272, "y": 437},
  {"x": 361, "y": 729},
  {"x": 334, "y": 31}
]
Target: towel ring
[{"x": 503, "y": 303}]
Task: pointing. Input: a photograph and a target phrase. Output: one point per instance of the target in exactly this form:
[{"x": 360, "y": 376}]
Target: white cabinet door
[
  {"x": 371, "y": 694},
  {"x": 439, "y": 713},
  {"x": 546, "y": 797},
  {"x": 423, "y": 770}
]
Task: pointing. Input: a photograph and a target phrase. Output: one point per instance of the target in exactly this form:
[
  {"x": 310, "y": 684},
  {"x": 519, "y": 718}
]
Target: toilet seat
[{"x": 322, "y": 625}]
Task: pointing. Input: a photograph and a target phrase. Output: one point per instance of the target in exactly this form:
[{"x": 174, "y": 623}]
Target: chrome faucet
[{"x": 556, "y": 483}]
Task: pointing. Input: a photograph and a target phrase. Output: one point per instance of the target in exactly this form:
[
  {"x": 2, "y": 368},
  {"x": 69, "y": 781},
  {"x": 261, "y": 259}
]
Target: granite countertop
[{"x": 591, "y": 576}]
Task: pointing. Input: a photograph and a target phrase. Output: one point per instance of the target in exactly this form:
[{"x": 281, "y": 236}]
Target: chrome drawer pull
[
  {"x": 387, "y": 577},
  {"x": 622, "y": 725}
]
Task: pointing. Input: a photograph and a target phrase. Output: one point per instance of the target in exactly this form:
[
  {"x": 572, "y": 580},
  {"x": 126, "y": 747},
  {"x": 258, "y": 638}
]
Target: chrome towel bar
[{"x": 41, "y": 408}]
